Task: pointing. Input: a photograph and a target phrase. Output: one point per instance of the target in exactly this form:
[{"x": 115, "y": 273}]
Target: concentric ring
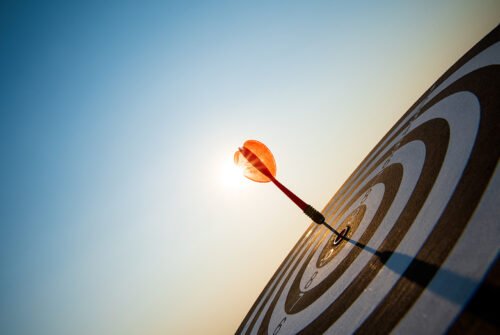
[{"x": 407, "y": 206}]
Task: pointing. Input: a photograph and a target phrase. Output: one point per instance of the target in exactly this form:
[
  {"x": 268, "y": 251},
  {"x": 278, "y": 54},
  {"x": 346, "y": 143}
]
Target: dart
[{"x": 258, "y": 164}]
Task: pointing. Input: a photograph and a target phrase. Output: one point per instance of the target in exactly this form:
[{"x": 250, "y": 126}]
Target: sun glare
[{"x": 231, "y": 175}]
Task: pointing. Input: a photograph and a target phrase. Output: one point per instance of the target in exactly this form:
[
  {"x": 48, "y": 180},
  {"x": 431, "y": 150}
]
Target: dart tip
[{"x": 332, "y": 229}]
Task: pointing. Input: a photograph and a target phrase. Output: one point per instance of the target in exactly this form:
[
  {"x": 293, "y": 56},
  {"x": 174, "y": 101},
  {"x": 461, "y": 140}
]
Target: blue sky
[{"x": 118, "y": 125}]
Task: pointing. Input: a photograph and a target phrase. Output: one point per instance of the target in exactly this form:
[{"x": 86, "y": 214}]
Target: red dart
[{"x": 258, "y": 164}]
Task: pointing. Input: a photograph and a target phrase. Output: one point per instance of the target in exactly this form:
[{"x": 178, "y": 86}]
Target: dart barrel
[{"x": 314, "y": 214}]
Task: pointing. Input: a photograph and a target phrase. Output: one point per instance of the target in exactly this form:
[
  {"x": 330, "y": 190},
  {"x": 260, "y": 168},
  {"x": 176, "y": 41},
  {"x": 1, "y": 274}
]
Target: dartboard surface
[{"x": 421, "y": 218}]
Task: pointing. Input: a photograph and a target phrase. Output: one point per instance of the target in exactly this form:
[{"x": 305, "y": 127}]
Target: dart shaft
[
  {"x": 306, "y": 208},
  {"x": 299, "y": 202},
  {"x": 309, "y": 210}
]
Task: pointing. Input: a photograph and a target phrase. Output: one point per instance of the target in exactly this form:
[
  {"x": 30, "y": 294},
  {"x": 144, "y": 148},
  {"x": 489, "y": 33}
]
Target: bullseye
[{"x": 341, "y": 236}]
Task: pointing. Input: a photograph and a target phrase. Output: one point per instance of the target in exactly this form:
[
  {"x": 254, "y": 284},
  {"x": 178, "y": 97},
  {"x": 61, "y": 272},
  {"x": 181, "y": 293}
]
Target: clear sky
[{"x": 119, "y": 210}]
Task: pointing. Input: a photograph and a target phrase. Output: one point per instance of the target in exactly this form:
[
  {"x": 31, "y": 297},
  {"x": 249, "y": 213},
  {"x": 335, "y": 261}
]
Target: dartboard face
[{"x": 421, "y": 224}]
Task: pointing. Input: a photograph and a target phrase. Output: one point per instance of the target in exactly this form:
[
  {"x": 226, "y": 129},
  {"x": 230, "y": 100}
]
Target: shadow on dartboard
[{"x": 422, "y": 272}]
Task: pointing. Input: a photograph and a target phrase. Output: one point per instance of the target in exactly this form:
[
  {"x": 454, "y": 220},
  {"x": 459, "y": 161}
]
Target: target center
[
  {"x": 341, "y": 236},
  {"x": 347, "y": 228}
]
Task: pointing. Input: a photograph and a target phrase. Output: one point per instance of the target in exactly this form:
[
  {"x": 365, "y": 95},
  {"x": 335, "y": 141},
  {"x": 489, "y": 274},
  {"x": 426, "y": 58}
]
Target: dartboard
[{"x": 420, "y": 219}]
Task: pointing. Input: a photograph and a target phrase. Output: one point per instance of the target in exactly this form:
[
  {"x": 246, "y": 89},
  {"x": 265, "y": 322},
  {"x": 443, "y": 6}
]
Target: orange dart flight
[{"x": 258, "y": 164}]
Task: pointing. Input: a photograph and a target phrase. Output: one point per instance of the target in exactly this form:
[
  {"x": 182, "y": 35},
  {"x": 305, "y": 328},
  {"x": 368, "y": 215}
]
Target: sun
[{"x": 231, "y": 175}]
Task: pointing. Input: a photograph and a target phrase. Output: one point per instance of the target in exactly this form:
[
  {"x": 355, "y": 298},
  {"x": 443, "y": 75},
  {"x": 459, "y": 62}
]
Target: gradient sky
[{"x": 118, "y": 123}]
